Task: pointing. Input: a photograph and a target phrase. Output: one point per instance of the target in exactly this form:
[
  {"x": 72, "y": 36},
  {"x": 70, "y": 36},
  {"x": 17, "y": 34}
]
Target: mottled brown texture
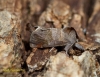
[
  {"x": 61, "y": 65},
  {"x": 31, "y": 11},
  {"x": 83, "y": 8},
  {"x": 10, "y": 39},
  {"x": 16, "y": 53},
  {"x": 76, "y": 22},
  {"x": 57, "y": 12},
  {"x": 38, "y": 58},
  {"x": 93, "y": 30},
  {"x": 11, "y": 47}
]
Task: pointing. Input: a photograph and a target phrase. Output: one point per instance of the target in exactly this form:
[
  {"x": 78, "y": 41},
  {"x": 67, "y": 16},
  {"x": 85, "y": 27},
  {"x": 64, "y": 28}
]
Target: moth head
[{"x": 37, "y": 37}]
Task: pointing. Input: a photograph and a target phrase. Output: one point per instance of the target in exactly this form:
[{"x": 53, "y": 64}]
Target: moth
[{"x": 53, "y": 37}]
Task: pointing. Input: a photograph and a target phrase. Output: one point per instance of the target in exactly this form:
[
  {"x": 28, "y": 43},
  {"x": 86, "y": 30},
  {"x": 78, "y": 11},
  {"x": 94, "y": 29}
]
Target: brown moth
[{"x": 53, "y": 37}]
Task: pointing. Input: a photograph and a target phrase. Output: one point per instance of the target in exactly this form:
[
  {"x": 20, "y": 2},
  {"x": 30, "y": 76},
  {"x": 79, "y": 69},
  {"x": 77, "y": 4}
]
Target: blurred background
[{"x": 83, "y": 15}]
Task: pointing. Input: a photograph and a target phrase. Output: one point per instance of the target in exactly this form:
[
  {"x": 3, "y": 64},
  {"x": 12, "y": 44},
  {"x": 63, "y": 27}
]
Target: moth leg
[
  {"x": 80, "y": 47},
  {"x": 51, "y": 49},
  {"x": 67, "y": 47}
]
